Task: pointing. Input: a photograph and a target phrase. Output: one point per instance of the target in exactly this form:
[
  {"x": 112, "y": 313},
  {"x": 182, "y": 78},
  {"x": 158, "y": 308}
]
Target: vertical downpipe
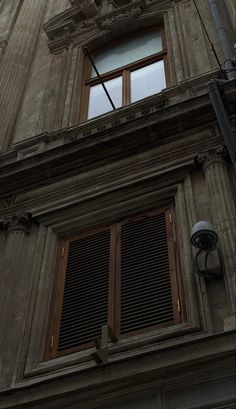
[{"x": 224, "y": 42}]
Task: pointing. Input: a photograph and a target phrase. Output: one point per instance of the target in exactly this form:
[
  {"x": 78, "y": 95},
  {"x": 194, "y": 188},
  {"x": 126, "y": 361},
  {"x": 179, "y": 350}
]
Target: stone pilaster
[
  {"x": 11, "y": 267},
  {"x": 223, "y": 211},
  {"x": 15, "y": 65}
]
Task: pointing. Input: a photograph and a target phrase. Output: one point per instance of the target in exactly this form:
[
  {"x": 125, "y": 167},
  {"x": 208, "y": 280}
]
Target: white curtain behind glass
[{"x": 127, "y": 51}]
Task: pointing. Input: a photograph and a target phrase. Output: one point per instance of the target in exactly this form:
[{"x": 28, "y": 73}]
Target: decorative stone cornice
[
  {"x": 71, "y": 19},
  {"x": 54, "y": 153},
  {"x": 211, "y": 157},
  {"x": 20, "y": 222},
  {"x": 86, "y": 3},
  {"x": 120, "y": 3},
  {"x": 121, "y": 16},
  {"x": 5, "y": 202}
]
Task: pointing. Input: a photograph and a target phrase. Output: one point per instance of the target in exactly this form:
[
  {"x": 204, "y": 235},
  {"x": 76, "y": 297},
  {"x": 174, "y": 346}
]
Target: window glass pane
[
  {"x": 147, "y": 81},
  {"x": 98, "y": 100},
  {"x": 127, "y": 51}
]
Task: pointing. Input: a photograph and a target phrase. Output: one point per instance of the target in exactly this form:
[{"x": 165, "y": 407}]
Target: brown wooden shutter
[
  {"x": 85, "y": 303},
  {"x": 146, "y": 293}
]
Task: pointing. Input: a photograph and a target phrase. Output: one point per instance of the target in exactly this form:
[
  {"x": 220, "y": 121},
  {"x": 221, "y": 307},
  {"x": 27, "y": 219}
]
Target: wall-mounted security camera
[
  {"x": 207, "y": 260},
  {"x": 204, "y": 236}
]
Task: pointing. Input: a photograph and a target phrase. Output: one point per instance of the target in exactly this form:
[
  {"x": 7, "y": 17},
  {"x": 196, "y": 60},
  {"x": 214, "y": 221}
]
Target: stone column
[
  {"x": 220, "y": 193},
  {"x": 15, "y": 65},
  {"x": 11, "y": 268}
]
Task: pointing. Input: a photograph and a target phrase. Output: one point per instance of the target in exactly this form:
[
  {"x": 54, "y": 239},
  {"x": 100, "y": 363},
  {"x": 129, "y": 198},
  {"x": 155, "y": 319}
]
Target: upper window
[
  {"x": 123, "y": 275},
  {"x": 131, "y": 69}
]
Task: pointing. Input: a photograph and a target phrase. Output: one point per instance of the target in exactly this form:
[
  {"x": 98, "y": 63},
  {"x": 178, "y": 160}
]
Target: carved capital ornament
[
  {"x": 211, "y": 157},
  {"x": 121, "y": 16},
  {"x": 20, "y": 222}
]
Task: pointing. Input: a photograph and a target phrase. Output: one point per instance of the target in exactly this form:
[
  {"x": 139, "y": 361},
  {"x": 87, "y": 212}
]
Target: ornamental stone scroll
[{"x": 121, "y": 17}]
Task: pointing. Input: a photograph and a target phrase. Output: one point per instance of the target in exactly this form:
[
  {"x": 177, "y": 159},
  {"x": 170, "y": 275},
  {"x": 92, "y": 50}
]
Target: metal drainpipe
[
  {"x": 222, "y": 118},
  {"x": 213, "y": 86},
  {"x": 225, "y": 44}
]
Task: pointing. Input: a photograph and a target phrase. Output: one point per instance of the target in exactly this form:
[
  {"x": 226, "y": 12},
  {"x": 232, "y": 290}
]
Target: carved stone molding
[
  {"x": 3, "y": 45},
  {"x": 20, "y": 222},
  {"x": 69, "y": 20},
  {"x": 212, "y": 156},
  {"x": 5, "y": 202},
  {"x": 121, "y": 16},
  {"x": 90, "y": 5},
  {"x": 120, "y": 3}
]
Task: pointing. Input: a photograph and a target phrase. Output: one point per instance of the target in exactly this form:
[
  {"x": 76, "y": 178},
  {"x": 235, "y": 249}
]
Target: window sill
[
  {"x": 73, "y": 384},
  {"x": 129, "y": 347},
  {"x": 133, "y": 108}
]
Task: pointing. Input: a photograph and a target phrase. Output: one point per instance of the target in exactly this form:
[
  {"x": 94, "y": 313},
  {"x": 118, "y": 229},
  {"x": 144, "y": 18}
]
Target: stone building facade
[{"x": 61, "y": 176}]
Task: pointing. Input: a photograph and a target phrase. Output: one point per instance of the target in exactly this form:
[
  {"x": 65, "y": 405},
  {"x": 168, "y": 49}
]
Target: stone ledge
[
  {"x": 151, "y": 122},
  {"x": 154, "y": 367},
  {"x": 230, "y": 323},
  {"x": 132, "y": 113}
]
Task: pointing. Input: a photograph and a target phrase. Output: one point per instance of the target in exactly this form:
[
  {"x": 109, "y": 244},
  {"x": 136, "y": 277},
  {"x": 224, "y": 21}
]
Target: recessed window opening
[
  {"x": 123, "y": 275},
  {"x": 131, "y": 69}
]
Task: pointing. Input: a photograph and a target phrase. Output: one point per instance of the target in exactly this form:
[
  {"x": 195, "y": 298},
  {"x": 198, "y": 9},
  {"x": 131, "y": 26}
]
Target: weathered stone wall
[
  {"x": 58, "y": 178},
  {"x": 45, "y": 93}
]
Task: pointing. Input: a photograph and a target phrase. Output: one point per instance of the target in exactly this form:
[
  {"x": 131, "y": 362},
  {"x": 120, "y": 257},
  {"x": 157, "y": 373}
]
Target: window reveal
[
  {"x": 131, "y": 70},
  {"x": 123, "y": 275}
]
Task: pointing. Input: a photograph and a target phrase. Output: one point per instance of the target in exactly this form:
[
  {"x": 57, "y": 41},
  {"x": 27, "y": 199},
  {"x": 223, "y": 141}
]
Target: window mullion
[{"x": 126, "y": 87}]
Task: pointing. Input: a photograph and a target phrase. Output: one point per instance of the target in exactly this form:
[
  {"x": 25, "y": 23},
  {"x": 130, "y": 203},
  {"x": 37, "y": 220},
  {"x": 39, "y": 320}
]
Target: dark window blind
[
  {"x": 85, "y": 303},
  {"x": 123, "y": 275},
  {"x": 146, "y": 296}
]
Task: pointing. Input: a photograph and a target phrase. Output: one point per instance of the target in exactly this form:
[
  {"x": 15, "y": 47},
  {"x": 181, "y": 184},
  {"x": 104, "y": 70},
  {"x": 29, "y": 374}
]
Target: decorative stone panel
[
  {"x": 121, "y": 16},
  {"x": 68, "y": 20}
]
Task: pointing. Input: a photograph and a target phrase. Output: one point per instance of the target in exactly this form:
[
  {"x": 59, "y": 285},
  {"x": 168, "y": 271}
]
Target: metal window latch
[
  {"x": 52, "y": 342},
  {"x": 178, "y": 306},
  {"x": 100, "y": 356}
]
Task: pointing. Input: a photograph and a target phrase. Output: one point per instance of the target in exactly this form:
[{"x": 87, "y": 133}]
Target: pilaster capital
[
  {"x": 20, "y": 222},
  {"x": 3, "y": 46},
  {"x": 211, "y": 157}
]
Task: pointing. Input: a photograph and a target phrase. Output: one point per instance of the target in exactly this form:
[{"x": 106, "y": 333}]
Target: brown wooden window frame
[
  {"x": 114, "y": 292},
  {"x": 124, "y": 72}
]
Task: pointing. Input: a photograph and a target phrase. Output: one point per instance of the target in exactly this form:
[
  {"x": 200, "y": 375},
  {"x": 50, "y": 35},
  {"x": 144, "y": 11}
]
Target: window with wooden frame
[
  {"x": 131, "y": 69},
  {"x": 123, "y": 275}
]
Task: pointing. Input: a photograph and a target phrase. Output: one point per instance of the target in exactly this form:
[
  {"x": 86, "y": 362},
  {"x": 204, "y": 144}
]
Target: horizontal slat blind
[
  {"x": 146, "y": 296},
  {"x": 85, "y": 304}
]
